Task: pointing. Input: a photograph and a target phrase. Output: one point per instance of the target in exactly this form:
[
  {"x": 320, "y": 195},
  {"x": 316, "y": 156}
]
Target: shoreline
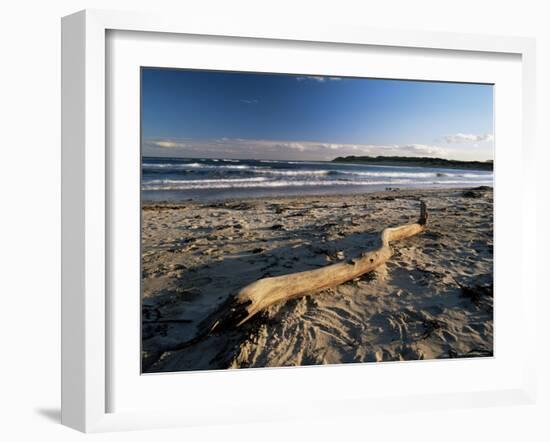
[
  {"x": 196, "y": 254},
  {"x": 401, "y": 191}
]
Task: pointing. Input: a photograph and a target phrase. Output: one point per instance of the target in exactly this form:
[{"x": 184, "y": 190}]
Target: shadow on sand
[{"x": 173, "y": 316}]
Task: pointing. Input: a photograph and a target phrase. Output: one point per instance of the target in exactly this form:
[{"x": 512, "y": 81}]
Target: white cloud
[
  {"x": 317, "y": 78},
  {"x": 284, "y": 150},
  {"x": 249, "y": 101},
  {"x": 423, "y": 149},
  {"x": 166, "y": 144},
  {"x": 467, "y": 138}
]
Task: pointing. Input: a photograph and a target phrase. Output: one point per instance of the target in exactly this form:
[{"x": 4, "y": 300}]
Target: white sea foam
[
  {"x": 239, "y": 184},
  {"x": 386, "y": 174},
  {"x": 242, "y": 166},
  {"x": 201, "y": 182},
  {"x": 227, "y": 174},
  {"x": 292, "y": 172},
  {"x": 170, "y": 165},
  {"x": 471, "y": 182},
  {"x": 475, "y": 175},
  {"x": 188, "y": 166},
  {"x": 391, "y": 174}
]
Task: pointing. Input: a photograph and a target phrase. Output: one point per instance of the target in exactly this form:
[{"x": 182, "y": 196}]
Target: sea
[{"x": 180, "y": 179}]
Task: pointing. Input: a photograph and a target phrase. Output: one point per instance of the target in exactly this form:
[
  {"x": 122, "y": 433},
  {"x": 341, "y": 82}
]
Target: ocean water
[{"x": 176, "y": 179}]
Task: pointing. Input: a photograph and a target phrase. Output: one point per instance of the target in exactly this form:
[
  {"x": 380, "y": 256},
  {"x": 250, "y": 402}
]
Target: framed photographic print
[
  {"x": 252, "y": 212},
  {"x": 255, "y": 240}
]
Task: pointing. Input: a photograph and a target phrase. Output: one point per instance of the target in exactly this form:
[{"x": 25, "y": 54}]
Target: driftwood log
[{"x": 265, "y": 292}]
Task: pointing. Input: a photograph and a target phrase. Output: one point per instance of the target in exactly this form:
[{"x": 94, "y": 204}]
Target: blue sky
[{"x": 296, "y": 117}]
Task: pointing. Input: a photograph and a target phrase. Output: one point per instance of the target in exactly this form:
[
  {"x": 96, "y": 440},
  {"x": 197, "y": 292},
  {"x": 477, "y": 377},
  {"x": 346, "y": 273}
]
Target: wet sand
[{"x": 432, "y": 299}]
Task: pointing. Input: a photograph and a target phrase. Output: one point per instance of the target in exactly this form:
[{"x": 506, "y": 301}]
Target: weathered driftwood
[
  {"x": 260, "y": 294},
  {"x": 264, "y": 292}
]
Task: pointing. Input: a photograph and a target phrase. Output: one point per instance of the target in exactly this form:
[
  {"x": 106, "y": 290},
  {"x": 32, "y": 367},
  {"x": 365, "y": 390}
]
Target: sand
[{"x": 433, "y": 299}]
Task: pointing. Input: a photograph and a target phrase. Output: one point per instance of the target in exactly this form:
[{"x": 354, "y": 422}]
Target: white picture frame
[{"x": 86, "y": 212}]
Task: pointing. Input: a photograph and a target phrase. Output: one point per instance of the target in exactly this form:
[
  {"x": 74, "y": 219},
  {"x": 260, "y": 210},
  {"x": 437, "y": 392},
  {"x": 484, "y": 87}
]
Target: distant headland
[{"x": 417, "y": 162}]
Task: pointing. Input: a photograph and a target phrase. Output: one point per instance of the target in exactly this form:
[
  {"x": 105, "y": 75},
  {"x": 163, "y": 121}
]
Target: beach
[{"x": 431, "y": 300}]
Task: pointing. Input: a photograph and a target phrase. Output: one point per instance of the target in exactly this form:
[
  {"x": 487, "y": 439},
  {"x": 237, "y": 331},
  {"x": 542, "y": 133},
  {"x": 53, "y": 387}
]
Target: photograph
[{"x": 295, "y": 220}]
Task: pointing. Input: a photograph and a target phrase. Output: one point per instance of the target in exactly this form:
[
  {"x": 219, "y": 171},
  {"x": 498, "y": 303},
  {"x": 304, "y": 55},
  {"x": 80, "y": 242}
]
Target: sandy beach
[{"x": 433, "y": 298}]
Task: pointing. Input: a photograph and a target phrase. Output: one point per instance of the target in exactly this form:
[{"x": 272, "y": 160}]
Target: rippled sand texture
[{"x": 433, "y": 299}]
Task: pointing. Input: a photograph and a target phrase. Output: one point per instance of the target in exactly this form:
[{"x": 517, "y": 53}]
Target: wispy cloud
[
  {"x": 276, "y": 149},
  {"x": 467, "y": 138},
  {"x": 253, "y": 101},
  {"x": 317, "y": 78},
  {"x": 168, "y": 144}
]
